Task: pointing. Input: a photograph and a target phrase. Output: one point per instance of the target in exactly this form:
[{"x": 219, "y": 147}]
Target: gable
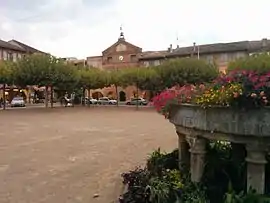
[{"x": 121, "y": 46}]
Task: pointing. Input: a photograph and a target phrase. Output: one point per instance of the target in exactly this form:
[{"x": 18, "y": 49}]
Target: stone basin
[
  {"x": 255, "y": 122},
  {"x": 249, "y": 128}
]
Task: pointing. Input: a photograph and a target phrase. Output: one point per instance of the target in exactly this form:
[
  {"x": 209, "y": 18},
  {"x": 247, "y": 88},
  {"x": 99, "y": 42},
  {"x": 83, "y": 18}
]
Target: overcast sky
[{"x": 82, "y": 28}]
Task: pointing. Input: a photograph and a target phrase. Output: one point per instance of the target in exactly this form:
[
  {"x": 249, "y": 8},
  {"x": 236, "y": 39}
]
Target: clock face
[{"x": 121, "y": 58}]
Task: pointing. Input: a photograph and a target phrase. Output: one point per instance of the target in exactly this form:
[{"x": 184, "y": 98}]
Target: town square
[{"x": 134, "y": 102}]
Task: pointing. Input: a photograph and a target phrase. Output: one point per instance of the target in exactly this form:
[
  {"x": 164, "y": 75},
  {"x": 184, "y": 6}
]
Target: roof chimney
[
  {"x": 264, "y": 42},
  {"x": 194, "y": 46},
  {"x": 170, "y": 48}
]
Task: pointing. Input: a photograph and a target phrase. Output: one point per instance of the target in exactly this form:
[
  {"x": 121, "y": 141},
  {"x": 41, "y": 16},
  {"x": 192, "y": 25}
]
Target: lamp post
[{"x": 137, "y": 89}]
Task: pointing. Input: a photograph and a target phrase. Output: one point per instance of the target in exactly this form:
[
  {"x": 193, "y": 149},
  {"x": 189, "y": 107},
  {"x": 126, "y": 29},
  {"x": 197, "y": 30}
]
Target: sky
[{"x": 81, "y": 28}]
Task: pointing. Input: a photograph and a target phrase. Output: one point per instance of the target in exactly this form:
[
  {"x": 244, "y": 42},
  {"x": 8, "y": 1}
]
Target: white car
[
  {"x": 92, "y": 101},
  {"x": 17, "y": 102},
  {"x": 106, "y": 101}
]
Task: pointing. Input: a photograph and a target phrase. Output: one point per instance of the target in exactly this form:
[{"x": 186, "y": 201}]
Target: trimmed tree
[
  {"x": 256, "y": 62},
  {"x": 115, "y": 78},
  {"x": 37, "y": 69},
  {"x": 6, "y": 68},
  {"x": 185, "y": 71},
  {"x": 92, "y": 79}
]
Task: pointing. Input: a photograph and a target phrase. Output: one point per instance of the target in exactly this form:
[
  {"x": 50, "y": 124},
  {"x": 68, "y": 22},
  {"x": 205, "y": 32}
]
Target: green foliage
[
  {"x": 159, "y": 190},
  {"x": 158, "y": 161},
  {"x": 116, "y": 78},
  {"x": 257, "y": 62},
  {"x": 250, "y": 197},
  {"x": 223, "y": 179},
  {"x": 222, "y": 169},
  {"x": 37, "y": 69},
  {"x": 6, "y": 70},
  {"x": 92, "y": 78},
  {"x": 185, "y": 71},
  {"x": 67, "y": 77}
]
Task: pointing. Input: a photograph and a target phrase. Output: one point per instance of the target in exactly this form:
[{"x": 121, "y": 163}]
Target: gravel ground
[{"x": 66, "y": 155}]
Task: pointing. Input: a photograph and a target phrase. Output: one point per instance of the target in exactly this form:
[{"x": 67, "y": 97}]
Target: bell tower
[{"x": 121, "y": 37}]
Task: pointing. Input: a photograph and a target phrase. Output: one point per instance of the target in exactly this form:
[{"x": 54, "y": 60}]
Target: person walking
[
  {"x": 72, "y": 98},
  {"x": 1, "y": 102},
  {"x": 66, "y": 99}
]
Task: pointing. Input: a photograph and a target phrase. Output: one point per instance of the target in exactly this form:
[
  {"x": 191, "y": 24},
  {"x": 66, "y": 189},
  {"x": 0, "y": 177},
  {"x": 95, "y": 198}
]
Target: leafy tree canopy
[
  {"x": 256, "y": 62},
  {"x": 185, "y": 71},
  {"x": 6, "y": 72}
]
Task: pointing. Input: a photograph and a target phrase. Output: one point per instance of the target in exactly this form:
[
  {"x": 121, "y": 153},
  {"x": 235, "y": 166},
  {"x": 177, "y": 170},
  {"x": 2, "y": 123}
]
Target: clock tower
[{"x": 121, "y": 54}]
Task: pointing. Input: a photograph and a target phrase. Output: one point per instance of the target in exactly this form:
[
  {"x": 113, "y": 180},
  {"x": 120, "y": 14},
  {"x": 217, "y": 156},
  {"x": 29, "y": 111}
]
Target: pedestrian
[
  {"x": 66, "y": 99},
  {"x": 72, "y": 98}
]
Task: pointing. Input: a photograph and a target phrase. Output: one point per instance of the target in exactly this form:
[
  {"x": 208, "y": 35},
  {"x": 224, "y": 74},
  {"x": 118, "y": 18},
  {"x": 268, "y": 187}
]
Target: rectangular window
[
  {"x": 223, "y": 58},
  {"x": 156, "y": 63},
  {"x": 146, "y": 63},
  {"x": 10, "y": 56},
  {"x": 133, "y": 58},
  {"x": 15, "y": 55},
  {"x": 5, "y": 55},
  {"x": 152, "y": 63},
  {"x": 109, "y": 59}
]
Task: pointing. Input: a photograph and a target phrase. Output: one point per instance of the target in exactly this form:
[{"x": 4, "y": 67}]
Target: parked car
[
  {"x": 92, "y": 101},
  {"x": 135, "y": 101},
  {"x": 17, "y": 102},
  {"x": 106, "y": 101},
  {"x": 86, "y": 100}
]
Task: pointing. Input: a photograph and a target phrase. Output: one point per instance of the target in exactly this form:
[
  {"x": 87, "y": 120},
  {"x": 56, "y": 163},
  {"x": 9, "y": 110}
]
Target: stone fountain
[{"x": 249, "y": 128}]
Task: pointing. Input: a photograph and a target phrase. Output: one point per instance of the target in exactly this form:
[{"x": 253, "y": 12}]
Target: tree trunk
[
  {"x": 83, "y": 96},
  {"x": 137, "y": 92},
  {"x": 46, "y": 96},
  {"x": 116, "y": 91},
  {"x": 89, "y": 93},
  {"x": 4, "y": 96},
  {"x": 51, "y": 96},
  {"x": 29, "y": 89}
]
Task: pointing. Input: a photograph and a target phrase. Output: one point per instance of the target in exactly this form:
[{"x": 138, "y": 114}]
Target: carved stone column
[
  {"x": 183, "y": 151},
  {"x": 256, "y": 167},
  {"x": 197, "y": 150}
]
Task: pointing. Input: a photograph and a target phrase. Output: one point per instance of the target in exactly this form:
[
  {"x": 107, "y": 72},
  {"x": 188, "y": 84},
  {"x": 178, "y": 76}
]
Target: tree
[
  {"x": 143, "y": 78},
  {"x": 66, "y": 78},
  {"x": 256, "y": 62},
  {"x": 6, "y": 68},
  {"x": 185, "y": 71},
  {"x": 115, "y": 78},
  {"x": 37, "y": 69},
  {"x": 92, "y": 79}
]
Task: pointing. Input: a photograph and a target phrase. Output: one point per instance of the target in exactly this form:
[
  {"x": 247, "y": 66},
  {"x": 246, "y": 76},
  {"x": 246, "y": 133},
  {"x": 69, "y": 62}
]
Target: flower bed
[{"x": 237, "y": 89}]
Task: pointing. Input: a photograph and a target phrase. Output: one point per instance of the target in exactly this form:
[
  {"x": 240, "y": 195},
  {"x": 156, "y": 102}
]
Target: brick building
[
  {"x": 120, "y": 55},
  {"x": 220, "y": 53},
  {"x": 123, "y": 54}
]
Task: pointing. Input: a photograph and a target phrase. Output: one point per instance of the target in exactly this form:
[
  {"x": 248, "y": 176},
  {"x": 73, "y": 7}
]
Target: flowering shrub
[
  {"x": 255, "y": 88},
  {"x": 239, "y": 88},
  {"x": 223, "y": 95},
  {"x": 184, "y": 94}
]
